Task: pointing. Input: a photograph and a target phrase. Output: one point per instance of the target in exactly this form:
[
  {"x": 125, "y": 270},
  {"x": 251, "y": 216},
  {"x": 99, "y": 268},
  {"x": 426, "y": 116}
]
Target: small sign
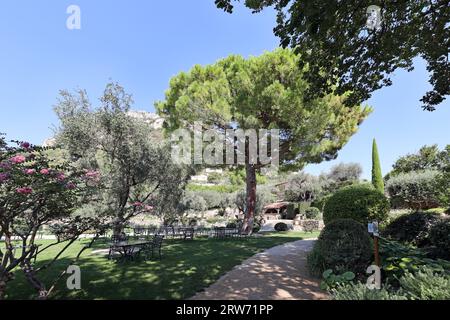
[{"x": 372, "y": 227}]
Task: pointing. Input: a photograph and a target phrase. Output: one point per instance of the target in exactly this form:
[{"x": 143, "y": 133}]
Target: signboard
[{"x": 372, "y": 228}]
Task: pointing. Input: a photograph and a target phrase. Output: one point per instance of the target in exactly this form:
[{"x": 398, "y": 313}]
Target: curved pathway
[{"x": 278, "y": 273}]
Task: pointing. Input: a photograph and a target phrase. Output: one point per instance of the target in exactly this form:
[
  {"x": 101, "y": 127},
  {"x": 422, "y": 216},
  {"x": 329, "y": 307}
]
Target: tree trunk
[
  {"x": 118, "y": 226},
  {"x": 250, "y": 198}
]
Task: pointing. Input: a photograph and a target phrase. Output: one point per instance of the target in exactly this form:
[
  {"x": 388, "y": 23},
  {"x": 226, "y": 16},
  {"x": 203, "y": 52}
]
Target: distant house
[{"x": 275, "y": 211}]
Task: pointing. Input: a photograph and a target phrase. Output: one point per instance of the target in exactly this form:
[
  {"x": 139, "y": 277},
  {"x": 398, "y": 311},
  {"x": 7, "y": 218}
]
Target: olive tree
[{"x": 132, "y": 158}]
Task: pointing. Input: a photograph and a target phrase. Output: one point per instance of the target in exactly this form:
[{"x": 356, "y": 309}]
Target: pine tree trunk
[{"x": 250, "y": 198}]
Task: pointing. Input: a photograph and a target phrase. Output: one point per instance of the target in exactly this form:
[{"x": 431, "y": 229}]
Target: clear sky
[{"x": 142, "y": 43}]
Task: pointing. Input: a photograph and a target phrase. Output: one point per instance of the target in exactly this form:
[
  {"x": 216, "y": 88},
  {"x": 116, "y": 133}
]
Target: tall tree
[
  {"x": 377, "y": 177},
  {"x": 262, "y": 92},
  {"x": 338, "y": 47},
  {"x": 428, "y": 157},
  {"x": 135, "y": 165}
]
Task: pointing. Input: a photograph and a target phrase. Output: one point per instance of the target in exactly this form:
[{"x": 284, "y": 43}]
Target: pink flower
[
  {"x": 25, "y": 145},
  {"x": 137, "y": 204},
  {"x": 24, "y": 190},
  {"x": 148, "y": 208},
  {"x": 44, "y": 171},
  {"x": 61, "y": 176},
  {"x": 92, "y": 174},
  {"x": 17, "y": 159},
  {"x": 30, "y": 171}
]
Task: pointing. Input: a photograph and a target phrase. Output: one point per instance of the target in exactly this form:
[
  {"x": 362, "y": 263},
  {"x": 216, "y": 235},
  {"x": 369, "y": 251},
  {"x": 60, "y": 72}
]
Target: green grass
[{"x": 186, "y": 267}]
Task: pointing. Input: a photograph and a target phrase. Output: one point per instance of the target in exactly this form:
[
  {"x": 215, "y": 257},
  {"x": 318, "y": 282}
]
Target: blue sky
[{"x": 142, "y": 44}]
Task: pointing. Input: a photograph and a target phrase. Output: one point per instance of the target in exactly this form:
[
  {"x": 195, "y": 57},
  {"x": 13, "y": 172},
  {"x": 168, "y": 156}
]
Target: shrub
[
  {"x": 343, "y": 245},
  {"x": 331, "y": 280},
  {"x": 360, "y": 291},
  {"x": 426, "y": 284},
  {"x": 416, "y": 190},
  {"x": 320, "y": 202},
  {"x": 397, "y": 259},
  {"x": 281, "y": 226},
  {"x": 302, "y": 206},
  {"x": 290, "y": 211},
  {"x": 360, "y": 202},
  {"x": 312, "y": 213},
  {"x": 440, "y": 239},
  {"x": 310, "y": 225},
  {"x": 413, "y": 228}
]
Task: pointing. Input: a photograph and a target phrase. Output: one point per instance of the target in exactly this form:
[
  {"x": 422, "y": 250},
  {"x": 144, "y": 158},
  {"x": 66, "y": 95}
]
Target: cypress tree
[{"x": 377, "y": 178}]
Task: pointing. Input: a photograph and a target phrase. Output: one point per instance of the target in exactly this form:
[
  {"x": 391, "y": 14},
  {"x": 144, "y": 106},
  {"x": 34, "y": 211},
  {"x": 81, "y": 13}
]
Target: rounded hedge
[
  {"x": 440, "y": 239},
  {"x": 281, "y": 226},
  {"x": 413, "y": 228},
  {"x": 312, "y": 213},
  {"x": 343, "y": 245},
  {"x": 361, "y": 202}
]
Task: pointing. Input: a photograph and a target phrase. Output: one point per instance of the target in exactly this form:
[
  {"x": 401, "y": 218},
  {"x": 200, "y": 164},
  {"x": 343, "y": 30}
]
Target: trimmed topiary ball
[
  {"x": 413, "y": 228},
  {"x": 281, "y": 226},
  {"x": 343, "y": 245},
  {"x": 360, "y": 202}
]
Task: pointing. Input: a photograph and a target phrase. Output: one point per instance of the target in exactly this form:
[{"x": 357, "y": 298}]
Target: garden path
[{"x": 279, "y": 273}]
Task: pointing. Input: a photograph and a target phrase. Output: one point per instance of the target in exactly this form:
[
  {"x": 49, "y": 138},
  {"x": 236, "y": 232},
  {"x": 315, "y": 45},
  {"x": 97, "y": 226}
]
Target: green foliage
[
  {"x": 426, "y": 284},
  {"x": 290, "y": 211},
  {"x": 377, "y": 176},
  {"x": 440, "y": 239},
  {"x": 340, "y": 50},
  {"x": 303, "y": 187},
  {"x": 320, "y": 202},
  {"x": 302, "y": 207},
  {"x": 263, "y": 197},
  {"x": 215, "y": 177},
  {"x": 427, "y": 158},
  {"x": 194, "y": 202},
  {"x": 415, "y": 190},
  {"x": 343, "y": 245},
  {"x": 312, "y": 213},
  {"x": 36, "y": 191},
  {"x": 413, "y": 228},
  {"x": 398, "y": 258},
  {"x": 281, "y": 226},
  {"x": 360, "y": 291},
  {"x": 359, "y": 202},
  {"x": 331, "y": 280},
  {"x": 138, "y": 174},
  {"x": 310, "y": 225},
  {"x": 218, "y": 188},
  {"x": 247, "y": 94}
]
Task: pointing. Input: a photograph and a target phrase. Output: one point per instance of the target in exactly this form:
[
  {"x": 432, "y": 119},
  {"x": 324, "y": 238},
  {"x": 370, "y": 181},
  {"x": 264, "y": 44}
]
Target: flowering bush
[{"x": 35, "y": 191}]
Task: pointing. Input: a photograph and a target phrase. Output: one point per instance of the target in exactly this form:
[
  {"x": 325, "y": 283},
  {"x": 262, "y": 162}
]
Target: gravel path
[{"x": 278, "y": 273}]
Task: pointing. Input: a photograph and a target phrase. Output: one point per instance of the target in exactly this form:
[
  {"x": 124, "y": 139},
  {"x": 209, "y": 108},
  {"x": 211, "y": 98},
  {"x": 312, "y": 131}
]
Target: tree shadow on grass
[{"x": 185, "y": 268}]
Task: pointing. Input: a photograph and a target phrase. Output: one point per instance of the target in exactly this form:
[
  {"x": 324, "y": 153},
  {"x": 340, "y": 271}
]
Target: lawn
[{"x": 186, "y": 268}]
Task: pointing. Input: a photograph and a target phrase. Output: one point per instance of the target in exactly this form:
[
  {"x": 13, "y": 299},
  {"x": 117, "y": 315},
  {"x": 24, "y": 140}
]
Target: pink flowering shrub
[{"x": 35, "y": 191}]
